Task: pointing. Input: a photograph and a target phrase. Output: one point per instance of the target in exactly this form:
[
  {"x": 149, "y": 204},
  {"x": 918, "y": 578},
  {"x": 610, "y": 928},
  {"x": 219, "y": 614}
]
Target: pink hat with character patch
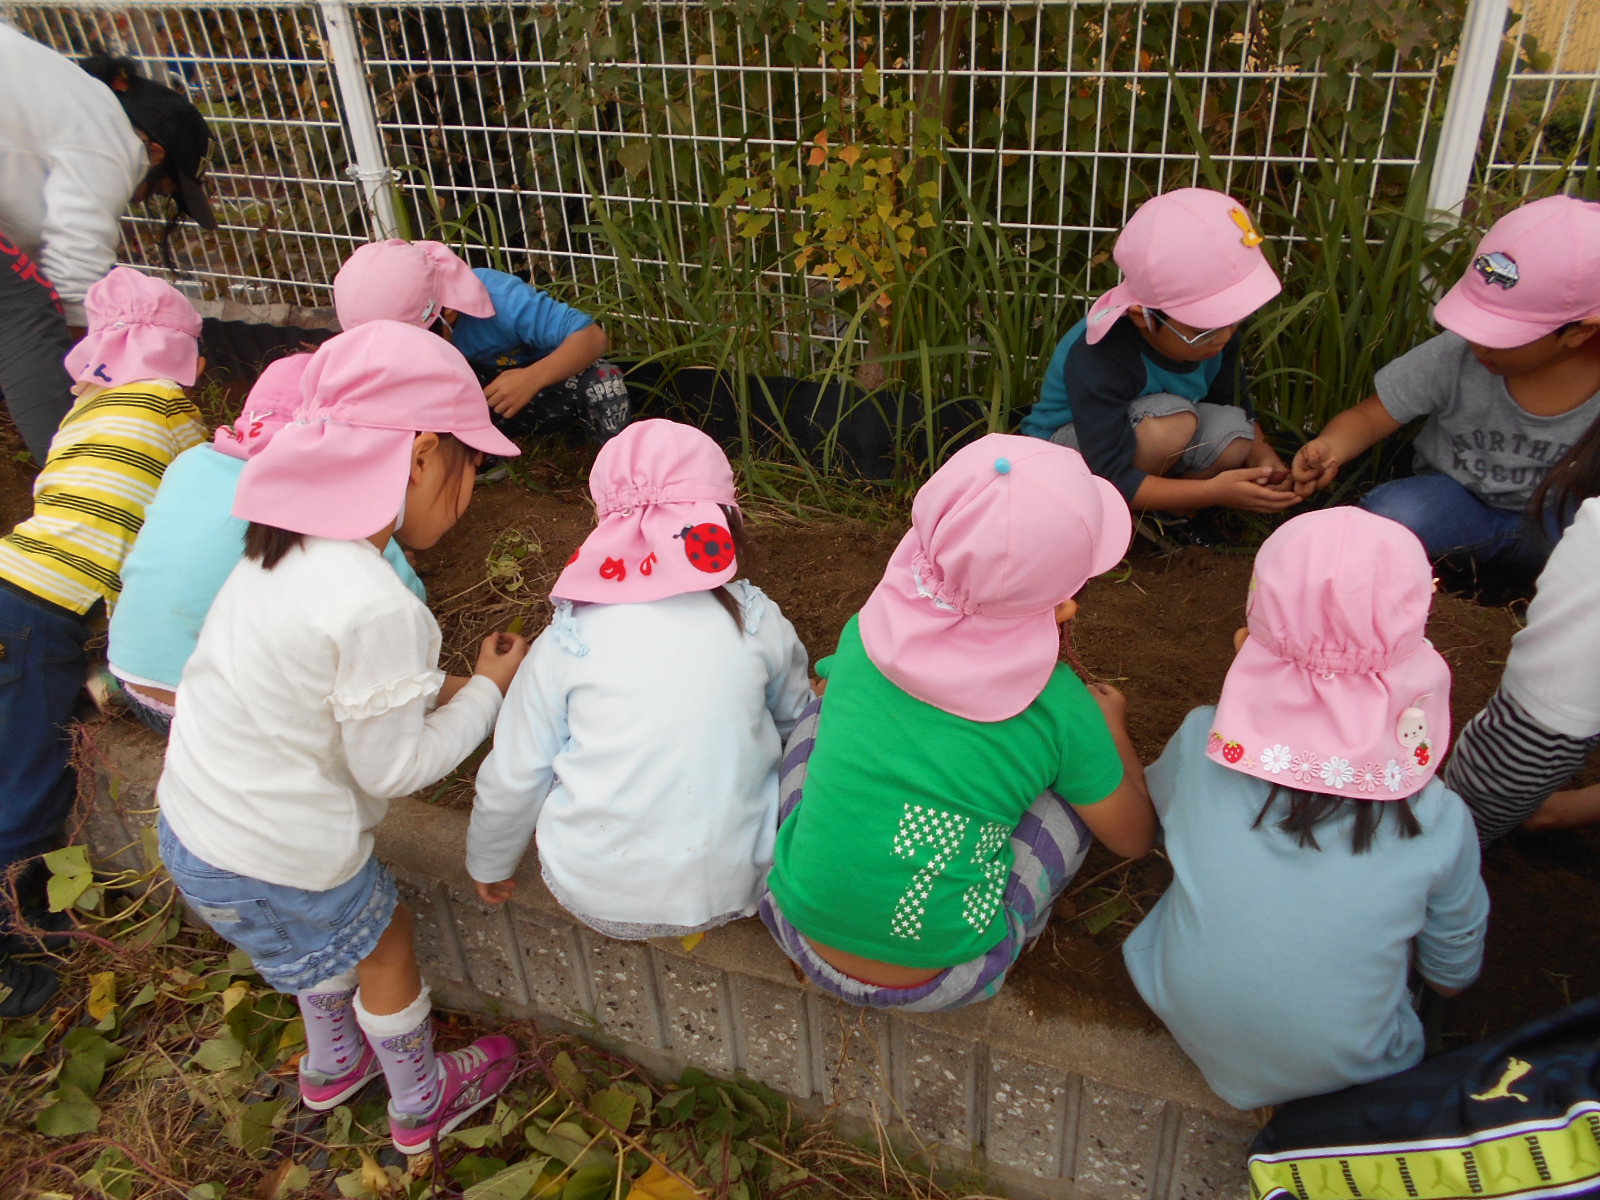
[
  {"x": 341, "y": 467},
  {"x": 413, "y": 282},
  {"x": 267, "y": 409},
  {"x": 1336, "y": 690},
  {"x": 1535, "y": 270},
  {"x": 658, "y": 488},
  {"x": 140, "y": 327},
  {"x": 1009, "y": 527},
  {"x": 1195, "y": 255}
]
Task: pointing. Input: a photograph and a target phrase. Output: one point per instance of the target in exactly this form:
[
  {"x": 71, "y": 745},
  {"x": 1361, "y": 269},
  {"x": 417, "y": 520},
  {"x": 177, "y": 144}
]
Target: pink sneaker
[
  {"x": 320, "y": 1091},
  {"x": 472, "y": 1078}
]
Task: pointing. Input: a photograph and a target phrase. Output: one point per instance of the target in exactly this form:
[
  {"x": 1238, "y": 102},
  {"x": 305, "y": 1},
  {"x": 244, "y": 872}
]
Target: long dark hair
[
  {"x": 741, "y": 555},
  {"x": 1307, "y": 810},
  {"x": 1574, "y": 479},
  {"x": 269, "y": 545}
]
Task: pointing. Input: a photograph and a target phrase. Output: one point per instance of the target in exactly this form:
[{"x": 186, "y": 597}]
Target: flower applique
[
  {"x": 1275, "y": 759},
  {"x": 1392, "y": 775},
  {"x": 1368, "y": 777},
  {"x": 1337, "y": 772},
  {"x": 1305, "y": 766}
]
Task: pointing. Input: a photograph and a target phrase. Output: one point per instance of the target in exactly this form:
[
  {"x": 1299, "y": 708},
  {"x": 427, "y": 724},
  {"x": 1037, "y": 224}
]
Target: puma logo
[{"x": 1515, "y": 1070}]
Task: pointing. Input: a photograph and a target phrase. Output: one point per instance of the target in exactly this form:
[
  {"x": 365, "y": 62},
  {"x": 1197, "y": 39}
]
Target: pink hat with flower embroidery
[
  {"x": 1336, "y": 690},
  {"x": 659, "y": 488},
  {"x": 1009, "y": 527}
]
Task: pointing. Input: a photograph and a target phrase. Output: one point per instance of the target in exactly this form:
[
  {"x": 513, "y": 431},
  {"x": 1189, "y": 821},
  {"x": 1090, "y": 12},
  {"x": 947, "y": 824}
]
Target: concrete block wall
[{"x": 1057, "y": 1108}]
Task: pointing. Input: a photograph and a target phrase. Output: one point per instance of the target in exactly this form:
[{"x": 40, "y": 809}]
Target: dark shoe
[{"x": 33, "y": 985}]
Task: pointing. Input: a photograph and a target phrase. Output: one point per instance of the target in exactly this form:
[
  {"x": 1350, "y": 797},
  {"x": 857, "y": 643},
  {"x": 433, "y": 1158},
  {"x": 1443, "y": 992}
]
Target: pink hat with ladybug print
[
  {"x": 268, "y": 408},
  {"x": 659, "y": 488},
  {"x": 1009, "y": 527},
  {"x": 1336, "y": 690}
]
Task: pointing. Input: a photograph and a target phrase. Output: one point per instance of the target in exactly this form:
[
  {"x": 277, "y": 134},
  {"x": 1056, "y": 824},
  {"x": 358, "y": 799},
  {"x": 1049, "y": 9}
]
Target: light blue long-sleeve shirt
[{"x": 1281, "y": 970}]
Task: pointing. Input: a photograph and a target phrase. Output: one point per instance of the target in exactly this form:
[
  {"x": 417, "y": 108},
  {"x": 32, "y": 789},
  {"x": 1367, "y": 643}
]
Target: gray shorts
[{"x": 1218, "y": 426}]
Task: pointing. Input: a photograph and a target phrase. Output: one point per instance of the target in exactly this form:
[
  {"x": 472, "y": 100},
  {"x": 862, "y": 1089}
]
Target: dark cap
[{"x": 171, "y": 121}]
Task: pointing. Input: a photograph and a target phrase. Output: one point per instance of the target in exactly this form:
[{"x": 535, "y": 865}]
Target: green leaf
[
  {"x": 17, "y": 1046},
  {"x": 613, "y": 1106},
  {"x": 591, "y": 1183},
  {"x": 475, "y": 1168},
  {"x": 514, "y": 1183},
  {"x": 1113, "y": 911},
  {"x": 221, "y": 1053},
  {"x": 69, "y": 1114},
  {"x": 479, "y": 1137},
  {"x": 336, "y": 1126},
  {"x": 204, "y": 1191},
  {"x": 251, "y": 1130},
  {"x": 570, "y": 1076},
  {"x": 85, "y": 1053}
]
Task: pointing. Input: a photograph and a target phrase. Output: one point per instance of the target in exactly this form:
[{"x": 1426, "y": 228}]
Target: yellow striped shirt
[{"x": 104, "y": 466}]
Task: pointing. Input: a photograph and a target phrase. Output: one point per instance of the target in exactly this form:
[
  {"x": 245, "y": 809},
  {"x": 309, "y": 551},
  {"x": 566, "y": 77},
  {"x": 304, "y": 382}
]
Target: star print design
[
  {"x": 922, "y": 826},
  {"x": 982, "y": 900}
]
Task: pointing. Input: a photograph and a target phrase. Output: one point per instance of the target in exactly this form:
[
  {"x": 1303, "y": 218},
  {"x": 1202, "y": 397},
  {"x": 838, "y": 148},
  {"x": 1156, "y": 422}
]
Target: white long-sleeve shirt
[
  {"x": 69, "y": 163},
  {"x": 643, "y": 741},
  {"x": 307, "y": 706}
]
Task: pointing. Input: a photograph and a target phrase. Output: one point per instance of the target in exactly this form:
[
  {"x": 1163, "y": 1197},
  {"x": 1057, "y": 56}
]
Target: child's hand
[
  {"x": 1112, "y": 703},
  {"x": 1252, "y": 489},
  {"x": 495, "y": 893},
  {"x": 1315, "y": 467},
  {"x": 499, "y": 657},
  {"x": 509, "y": 392}
]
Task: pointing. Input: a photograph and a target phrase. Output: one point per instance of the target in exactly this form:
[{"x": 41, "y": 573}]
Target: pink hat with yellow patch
[
  {"x": 140, "y": 327},
  {"x": 1336, "y": 690},
  {"x": 659, "y": 489},
  {"x": 1195, "y": 255}
]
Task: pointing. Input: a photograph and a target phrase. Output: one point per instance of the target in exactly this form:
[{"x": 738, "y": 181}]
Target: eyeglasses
[{"x": 1199, "y": 339}]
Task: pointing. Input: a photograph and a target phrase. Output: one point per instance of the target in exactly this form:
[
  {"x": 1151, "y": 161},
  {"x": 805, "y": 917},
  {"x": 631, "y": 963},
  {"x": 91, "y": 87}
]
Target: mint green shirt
[{"x": 901, "y": 846}]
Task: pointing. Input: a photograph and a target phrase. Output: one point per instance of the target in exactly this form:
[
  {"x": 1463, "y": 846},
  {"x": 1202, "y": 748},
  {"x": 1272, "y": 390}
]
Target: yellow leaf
[
  {"x": 102, "y": 995},
  {"x": 658, "y": 1183},
  {"x": 373, "y": 1177},
  {"x": 849, "y": 155},
  {"x": 232, "y": 994},
  {"x": 690, "y": 942}
]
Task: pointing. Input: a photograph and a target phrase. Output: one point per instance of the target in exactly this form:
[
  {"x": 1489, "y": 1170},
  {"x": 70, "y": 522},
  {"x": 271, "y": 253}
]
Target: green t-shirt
[{"x": 900, "y": 848}]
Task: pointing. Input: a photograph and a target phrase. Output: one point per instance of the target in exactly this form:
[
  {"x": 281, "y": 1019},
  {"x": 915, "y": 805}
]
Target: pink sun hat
[
  {"x": 413, "y": 282},
  {"x": 1009, "y": 527},
  {"x": 658, "y": 488},
  {"x": 1336, "y": 690},
  {"x": 267, "y": 409},
  {"x": 1535, "y": 270},
  {"x": 1195, "y": 255},
  {"x": 140, "y": 327},
  {"x": 340, "y": 468}
]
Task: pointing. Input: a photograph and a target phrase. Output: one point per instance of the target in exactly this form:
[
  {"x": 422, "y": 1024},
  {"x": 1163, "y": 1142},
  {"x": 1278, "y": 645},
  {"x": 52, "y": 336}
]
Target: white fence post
[
  {"x": 1476, "y": 58},
  {"x": 371, "y": 168}
]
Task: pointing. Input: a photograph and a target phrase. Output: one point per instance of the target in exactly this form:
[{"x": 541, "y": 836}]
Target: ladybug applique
[
  {"x": 1233, "y": 752},
  {"x": 708, "y": 546}
]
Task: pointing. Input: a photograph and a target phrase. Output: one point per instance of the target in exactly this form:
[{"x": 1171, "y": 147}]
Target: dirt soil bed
[{"x": 1160, "y": 631}]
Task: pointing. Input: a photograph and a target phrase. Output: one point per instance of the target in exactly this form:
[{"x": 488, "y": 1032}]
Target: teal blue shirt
[
  {"x": 189, "y": 544},
  {"x": 527, "y": 324}
]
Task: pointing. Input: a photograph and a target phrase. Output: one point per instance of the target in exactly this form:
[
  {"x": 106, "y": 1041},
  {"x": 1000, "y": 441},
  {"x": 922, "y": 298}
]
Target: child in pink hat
[
  {"x": 1503, "y": 394},
  {"x": 1151, "y": 386},
  {"x": 642, "y": 738},
  {"x": 61, "y": 568},
  {"x": 314, "y": 696},
  {"x": 540, "y": 361},
  {"x": 956, "y": 766},
  {"x": 1315, "y": 856},
  {"x": 188, "y": 545}
]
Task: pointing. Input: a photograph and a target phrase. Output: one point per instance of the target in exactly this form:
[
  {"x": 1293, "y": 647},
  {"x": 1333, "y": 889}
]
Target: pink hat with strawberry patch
[
  {"x": 267, "y": 409},
  {"x": 1009, "y": 527},
  {"x": 659, "y": 489},
  {"x": 1336, "y": 690}
]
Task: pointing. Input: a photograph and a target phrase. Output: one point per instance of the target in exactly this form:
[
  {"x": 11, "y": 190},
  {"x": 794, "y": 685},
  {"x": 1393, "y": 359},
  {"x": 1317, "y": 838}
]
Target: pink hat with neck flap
[
  {"x": 140, "y": 327},
  {"x": 412, "y": 282},
  {"x": 659, "y": 488},
  {"x": 267, "y": 409},
  {"x": 341, "y": 467},
  {"x": 1195, "y": 255},
  {"x": 1009, "y": 527},
  {"x": 1336, "y": 690}
]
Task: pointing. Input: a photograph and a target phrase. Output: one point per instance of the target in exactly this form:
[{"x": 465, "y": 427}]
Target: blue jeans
[
  {"x": 1453, "y": 523},
  {"x": 42, "y": 666}
]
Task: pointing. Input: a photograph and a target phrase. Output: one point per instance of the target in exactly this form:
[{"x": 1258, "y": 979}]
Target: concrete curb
[{"x": 1053, "y": 1107}]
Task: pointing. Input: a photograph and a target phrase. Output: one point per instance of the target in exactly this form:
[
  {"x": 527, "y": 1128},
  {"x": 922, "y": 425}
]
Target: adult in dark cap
[{"x": 77, "y": 145}]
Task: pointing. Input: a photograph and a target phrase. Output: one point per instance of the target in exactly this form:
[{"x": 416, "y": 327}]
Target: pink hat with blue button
[
  {"x": 1009, "y": 527},
  {"x": 412, "y": 282}
]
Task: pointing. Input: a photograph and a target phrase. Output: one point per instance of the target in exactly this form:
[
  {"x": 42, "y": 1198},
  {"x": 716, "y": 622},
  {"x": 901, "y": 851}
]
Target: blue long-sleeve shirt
[
  {"x": 1281, "y": 970},
  {"x": 526, "y": 325}
]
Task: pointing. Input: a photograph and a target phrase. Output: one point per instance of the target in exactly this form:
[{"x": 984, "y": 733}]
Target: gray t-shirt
[{"x": 1475, "y": 432}]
